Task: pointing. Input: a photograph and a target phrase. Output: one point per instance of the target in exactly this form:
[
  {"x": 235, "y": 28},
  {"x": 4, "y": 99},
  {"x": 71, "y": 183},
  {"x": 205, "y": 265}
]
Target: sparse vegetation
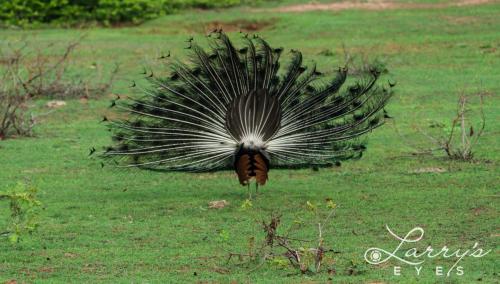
[
  {"x": 103, "y": 225},
  {"x": 458, "y": 138},
  {"x": 305, "y": 255},
  {"x": 28, "y": 71},
  {"x": 15, "y": 118},
  {"x": 24, "y": 209},
  {"x": 463, "y": 135}
]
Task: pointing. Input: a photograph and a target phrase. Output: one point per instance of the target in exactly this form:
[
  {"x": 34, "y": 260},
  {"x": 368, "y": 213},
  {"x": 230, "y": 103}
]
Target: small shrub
[
  {"x": 24, "y": 207},
  {"x": 27, "y": 71},
  {"x": 457, "y": 139},
  {"x": 463, "y": 135},
  {"x": 15, "y": 120},
  {"x": 283, "y": 248}
]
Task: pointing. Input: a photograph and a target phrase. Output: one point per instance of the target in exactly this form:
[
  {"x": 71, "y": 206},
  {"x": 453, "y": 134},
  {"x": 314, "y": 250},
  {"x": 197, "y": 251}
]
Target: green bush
[
  {"x": 24, "y": 208},
  {"x": 106, "y": 12}
]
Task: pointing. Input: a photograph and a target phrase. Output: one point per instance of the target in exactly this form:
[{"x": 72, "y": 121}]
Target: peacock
[{"x": 240, "y": 108}]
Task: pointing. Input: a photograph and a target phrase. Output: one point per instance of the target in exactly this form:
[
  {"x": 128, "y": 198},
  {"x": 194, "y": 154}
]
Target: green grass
[{"x": 137, "y": 226}]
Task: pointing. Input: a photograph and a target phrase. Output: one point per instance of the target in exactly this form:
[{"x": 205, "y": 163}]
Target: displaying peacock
[{"x": 239, "y": 108}]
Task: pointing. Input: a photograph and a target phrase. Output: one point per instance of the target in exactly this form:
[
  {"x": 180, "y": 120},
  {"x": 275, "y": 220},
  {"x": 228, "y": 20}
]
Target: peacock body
[{"x": 239, "y": 108}]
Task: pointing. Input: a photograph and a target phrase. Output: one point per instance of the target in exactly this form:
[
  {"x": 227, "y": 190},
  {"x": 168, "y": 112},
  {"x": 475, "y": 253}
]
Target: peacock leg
[
  {"x": 256, "y": 189},
  {"x": 249, "y": 192}
]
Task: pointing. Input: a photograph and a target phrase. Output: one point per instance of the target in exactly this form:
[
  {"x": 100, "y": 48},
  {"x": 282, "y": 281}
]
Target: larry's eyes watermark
[{"x": 416, "y": 258}]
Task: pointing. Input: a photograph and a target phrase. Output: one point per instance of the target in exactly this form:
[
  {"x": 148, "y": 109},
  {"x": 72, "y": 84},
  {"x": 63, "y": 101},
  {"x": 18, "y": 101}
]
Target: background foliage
[{"x": 107, "y": 12}]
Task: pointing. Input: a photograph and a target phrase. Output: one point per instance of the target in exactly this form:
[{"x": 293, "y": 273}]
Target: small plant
[
  {"x": 461, "y": 141},
  {"x": 15, "y": 120},
  {"x": 458, "y": 139},
  {"x": 28, "y": 71},
  {"x": 24, "y": 208},
  {"x": 282, "y": 248},
  {"x": 247, "y": 204}
]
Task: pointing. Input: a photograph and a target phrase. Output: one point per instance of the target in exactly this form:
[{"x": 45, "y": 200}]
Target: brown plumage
[
  {"x": 260, "y": 169},
  {"x": 243, "y": 168},
  {"x": 252, "y": 165}
]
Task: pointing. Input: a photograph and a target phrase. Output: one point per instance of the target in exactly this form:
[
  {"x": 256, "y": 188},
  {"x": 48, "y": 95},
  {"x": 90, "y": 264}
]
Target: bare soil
[{"x": 376, "y": 5}]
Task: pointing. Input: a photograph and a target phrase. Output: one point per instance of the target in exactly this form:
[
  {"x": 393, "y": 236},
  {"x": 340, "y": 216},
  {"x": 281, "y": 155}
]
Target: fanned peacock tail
[{"x": 237, "y": 107}]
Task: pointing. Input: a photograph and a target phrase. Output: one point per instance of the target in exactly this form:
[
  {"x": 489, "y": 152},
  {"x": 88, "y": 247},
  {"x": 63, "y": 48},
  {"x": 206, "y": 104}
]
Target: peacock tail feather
[{"x": 229, "y": 102}]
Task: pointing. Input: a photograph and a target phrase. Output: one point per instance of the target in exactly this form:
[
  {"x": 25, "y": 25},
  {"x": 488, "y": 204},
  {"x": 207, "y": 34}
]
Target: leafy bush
[
  {"x": 106, "y": 12},
  {"x": 24, "y": 207}
]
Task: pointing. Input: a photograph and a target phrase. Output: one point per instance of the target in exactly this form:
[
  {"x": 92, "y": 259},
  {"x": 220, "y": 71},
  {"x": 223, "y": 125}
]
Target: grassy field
[{"x": 109, "y": 225}]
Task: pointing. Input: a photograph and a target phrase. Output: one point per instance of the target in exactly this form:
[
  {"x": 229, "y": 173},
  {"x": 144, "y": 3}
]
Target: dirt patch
[
  {"x": 93, "y": 268},
  {"x": 70, "y": 255},
  {"x": 238, "y": 25},
  {"x": 474, "y": 2},
  {"x": 428, "y": 170},
  {"x": 243, "y": 25},
  {"x": 46, "y": 269},
  {"x": 478, "y": 210},
  {"x": 217, "y": 204},
  {"x": 463, "y": 20},
  {"x": 376, "y": 5}
]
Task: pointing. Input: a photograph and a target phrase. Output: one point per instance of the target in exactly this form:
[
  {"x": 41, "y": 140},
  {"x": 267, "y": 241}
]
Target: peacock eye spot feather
[
  {"x": 118, "y": 137},
  {"x": 174, "y": 76},
  {"x": 337, "y": 100},
  {"x": 354, "y": 89},
  {"x": 358, "y": 117},
  {"x": 196, "y": 71},
  {"x": 136, "y": 123},
  {"x": 375, "y": 72},
  {"x": 374, "y": 121},
  {"x": 310, "y": 89},
  {"x": 123, "y": 147},
  {"x": 359, "y": 147}
]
